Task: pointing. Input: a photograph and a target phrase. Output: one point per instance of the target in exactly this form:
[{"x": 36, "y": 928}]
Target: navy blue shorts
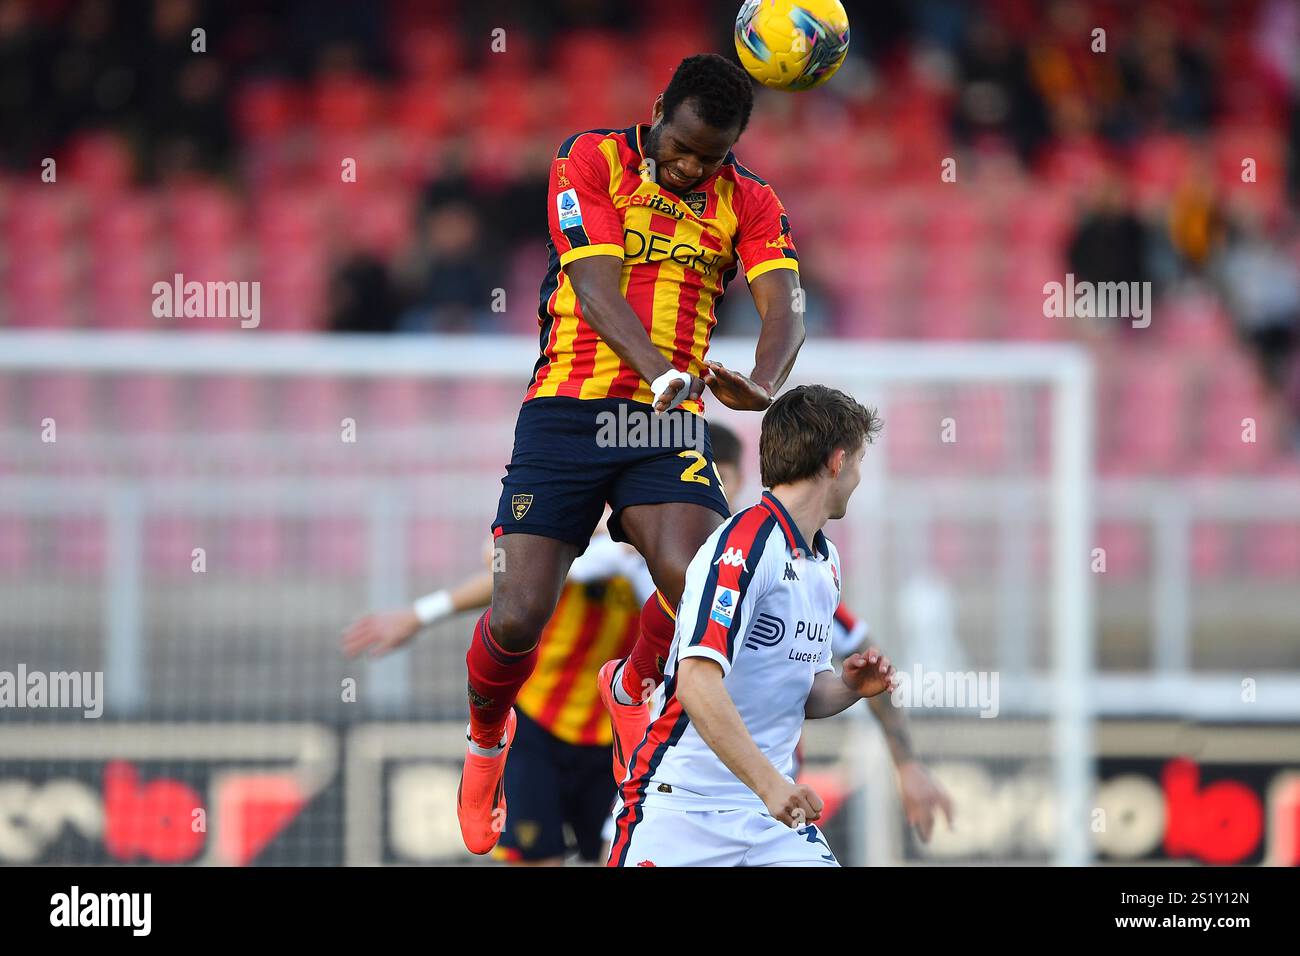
[
  {"x": 573, "y": 455},
  {"x": 551, "y": 785}
]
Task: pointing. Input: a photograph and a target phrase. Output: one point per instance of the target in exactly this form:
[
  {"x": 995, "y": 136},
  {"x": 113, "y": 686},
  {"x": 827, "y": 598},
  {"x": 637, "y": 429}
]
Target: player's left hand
[
  {"x": 734, "y": 389},
  {"x": 869, "y": 675},
  {"x": 381, "y": 633},
  {"x": 922, "y": 795}
]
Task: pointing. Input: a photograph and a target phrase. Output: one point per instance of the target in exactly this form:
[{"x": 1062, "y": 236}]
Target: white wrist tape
[
  {"x": 433, "y": 607},
  {"x": 660, "y": 385}
]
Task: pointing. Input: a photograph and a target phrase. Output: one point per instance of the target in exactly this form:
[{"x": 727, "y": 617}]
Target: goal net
[{"x": 188, "y": 522}]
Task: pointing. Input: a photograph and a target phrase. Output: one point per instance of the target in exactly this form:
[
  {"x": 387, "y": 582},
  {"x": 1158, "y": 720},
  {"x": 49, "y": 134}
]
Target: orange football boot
[
  {"x": 629, "y": 721},
  {"x": 482, "y": 792}
]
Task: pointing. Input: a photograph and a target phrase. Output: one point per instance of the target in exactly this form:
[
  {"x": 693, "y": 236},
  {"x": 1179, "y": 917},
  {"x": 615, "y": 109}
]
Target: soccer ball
[{"x": 792, "y": 44}]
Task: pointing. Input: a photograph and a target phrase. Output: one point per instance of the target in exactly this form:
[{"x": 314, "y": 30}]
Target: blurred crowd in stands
[{"x": 1163, "y": 149}]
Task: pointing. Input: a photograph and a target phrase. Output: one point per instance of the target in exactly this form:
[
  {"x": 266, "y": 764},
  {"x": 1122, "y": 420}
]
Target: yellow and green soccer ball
[{"x": 792, "y": 44}]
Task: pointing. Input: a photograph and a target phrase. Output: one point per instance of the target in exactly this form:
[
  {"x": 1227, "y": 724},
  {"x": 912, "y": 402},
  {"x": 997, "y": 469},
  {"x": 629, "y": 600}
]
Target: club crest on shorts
[
  {"x": 527, "y": 831},
  {"x": 521, "y": 504},
  {"x": 696, "y": 202}
]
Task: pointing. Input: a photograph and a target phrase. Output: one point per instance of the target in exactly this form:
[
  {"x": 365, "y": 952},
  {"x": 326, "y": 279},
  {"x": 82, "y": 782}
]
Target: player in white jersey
[{"x": 711, "y": 782}]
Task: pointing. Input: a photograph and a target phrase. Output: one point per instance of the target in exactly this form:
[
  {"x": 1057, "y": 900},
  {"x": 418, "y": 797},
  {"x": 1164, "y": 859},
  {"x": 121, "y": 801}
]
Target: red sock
[
  {"x": 646, "y": 662},
  {"x": 495, "y": 676}
]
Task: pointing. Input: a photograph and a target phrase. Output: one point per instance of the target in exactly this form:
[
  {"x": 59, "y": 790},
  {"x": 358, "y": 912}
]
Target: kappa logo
[
  {"x": 521, "y": 504},
  {"x": 733, "y": 558},
  {"x": 791, "y": 576},
  {"x": 696, "y": 202}
]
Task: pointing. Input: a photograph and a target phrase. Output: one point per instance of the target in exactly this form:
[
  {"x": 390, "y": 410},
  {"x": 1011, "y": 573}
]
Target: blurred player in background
[
  {"x": 647, "y": 226},
  {"x": 711, "y": 783}
]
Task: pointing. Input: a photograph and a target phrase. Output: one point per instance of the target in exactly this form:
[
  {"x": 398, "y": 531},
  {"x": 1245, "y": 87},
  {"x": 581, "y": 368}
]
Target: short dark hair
[
  {"x": 804, "y": 426},
  {"x": 726, "y": 444},
  {"x": 722, "y": 91}
]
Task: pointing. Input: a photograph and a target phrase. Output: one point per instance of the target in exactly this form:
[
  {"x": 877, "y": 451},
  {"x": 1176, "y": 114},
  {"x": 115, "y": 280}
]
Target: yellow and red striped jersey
[
  {"x": 593, "y": 623},
  {"x": 678, "y": 252}
]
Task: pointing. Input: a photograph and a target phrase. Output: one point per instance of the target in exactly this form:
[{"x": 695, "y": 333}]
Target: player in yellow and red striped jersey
[
  {"x": 678, "y": 256},
  {"x": 647, "y": 225},
  {"x": 559, "y": 776}
]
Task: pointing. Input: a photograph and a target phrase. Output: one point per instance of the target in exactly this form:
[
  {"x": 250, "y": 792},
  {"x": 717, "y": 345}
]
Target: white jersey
[{"x": 761, "y": 604}]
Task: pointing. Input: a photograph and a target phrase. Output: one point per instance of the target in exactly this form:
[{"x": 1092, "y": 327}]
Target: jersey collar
[
  {"x": 793, "y": 537},
  {"x": 635, "y": 136}
]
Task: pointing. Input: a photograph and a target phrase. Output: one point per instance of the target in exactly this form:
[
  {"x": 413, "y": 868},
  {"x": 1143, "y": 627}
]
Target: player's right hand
[
  {"x": 380, "y": 633},
  {"x": 674, "y": 387},
  {"x": 794, "y": 804}
]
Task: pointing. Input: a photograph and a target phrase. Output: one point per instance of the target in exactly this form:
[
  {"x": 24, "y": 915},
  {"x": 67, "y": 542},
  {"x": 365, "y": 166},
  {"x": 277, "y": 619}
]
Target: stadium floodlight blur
[{"x": 195, "y": 508}]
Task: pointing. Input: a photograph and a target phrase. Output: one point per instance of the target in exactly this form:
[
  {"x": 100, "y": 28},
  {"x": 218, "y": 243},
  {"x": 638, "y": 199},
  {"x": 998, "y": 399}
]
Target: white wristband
[
  {"x": 660, "y": 385},
  {"x": 433, "y": 607}
]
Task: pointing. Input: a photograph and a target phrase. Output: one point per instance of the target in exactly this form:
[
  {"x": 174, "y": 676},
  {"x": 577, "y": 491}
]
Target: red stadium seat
[
  {"x": 953, "y": 218},
  {"x": 663, "y": 46},
  {"x": 126, "y": 225},
  {"x": 947, "y": 315},
  {"x": 101, "y": 160},
  {"x": 314, "y": 404},
  {"x": 169, "y": 542},
  {"x": 431, "y": 54},
  {"x": 379, "y": 219},
  {"x": 1126, "y": 549},
  {"x": 80, "y": 546},
  {"x": 296, "y": 218},
  {"x": 17, "y": 551},
  {"x": 266, "y": 108},
  {"x": 250, "y": 545},
  {"x": 346, "y": 103},
  {"x": 1232, "y": 405},
  {"x": 393, "y": 403},
  {"x": 1273, "y": 550},
  {"x": 421, "y": 108},
  {"x": 1211, "y": 550},
  {"x": 1161, "y": 163},
  {"x": 67, "y": 397},
  {"x": 950, "y": 548},
  {"x": 231, "y": 403},
  {"x": 1148, "y": 420},
  {"x": 1194, "y": 325},
  {"x": 143, "y": 403},
  {"x": 203, "y": 218},
  {"x": 39, "y": 219},
  {"x": 39, "y": 288},
  {"x": 338, "y": 546}
]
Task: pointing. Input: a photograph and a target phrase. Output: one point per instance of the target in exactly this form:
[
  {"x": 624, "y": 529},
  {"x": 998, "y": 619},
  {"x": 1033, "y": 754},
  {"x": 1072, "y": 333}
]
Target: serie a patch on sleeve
[
  {"x": 570, "y": 210},
  {"x": 724, "y": 605}
]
